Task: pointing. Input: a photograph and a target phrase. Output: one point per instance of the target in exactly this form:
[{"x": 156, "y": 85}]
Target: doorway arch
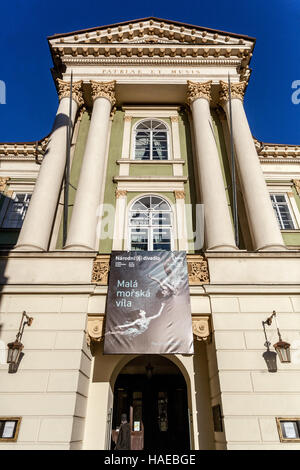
[{"x": 152, "y": 391}]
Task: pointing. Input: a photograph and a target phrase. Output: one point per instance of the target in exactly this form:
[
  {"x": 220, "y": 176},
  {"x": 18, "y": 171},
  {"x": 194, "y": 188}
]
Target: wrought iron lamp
[
  {"x": 282, "y": 348},
  {"x": 14, "y": 353}
]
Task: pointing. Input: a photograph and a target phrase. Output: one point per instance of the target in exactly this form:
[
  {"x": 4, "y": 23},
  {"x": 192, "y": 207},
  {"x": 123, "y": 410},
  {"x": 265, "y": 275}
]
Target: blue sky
[{"x": 31, "y": 99}]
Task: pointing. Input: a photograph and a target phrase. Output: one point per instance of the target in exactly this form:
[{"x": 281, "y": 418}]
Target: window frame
[
  {"x": 5, "y": 207},
  {"x": 290, "y": 209},
  {"x": 282, "y": 420},
  {"x": 149, "y": 227},
  {"x": 134, "y": 133}
]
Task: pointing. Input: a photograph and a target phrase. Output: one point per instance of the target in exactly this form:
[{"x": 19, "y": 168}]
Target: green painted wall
[
  {"x": 75, "y": 171},
  {"x": 114, "y": 154},
  {"x": 150, "y": 169},
  {"x": 291, "y": 238}
]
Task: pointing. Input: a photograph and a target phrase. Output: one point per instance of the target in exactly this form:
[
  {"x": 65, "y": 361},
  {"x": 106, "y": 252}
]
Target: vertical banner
[{"x": 148, "y": 304}]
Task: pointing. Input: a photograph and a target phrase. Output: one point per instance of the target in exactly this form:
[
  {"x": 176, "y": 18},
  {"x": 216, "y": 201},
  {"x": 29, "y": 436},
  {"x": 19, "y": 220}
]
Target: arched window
[
  {"x": 150, "y": 224},
  {"x": 151, "y": 140}
]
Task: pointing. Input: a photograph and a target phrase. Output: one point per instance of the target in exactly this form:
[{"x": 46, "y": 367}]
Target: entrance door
[{"x": 155, "y": 404}]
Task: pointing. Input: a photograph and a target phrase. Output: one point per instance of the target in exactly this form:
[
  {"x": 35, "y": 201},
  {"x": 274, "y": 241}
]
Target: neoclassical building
[{"x": 152, "y": 124}]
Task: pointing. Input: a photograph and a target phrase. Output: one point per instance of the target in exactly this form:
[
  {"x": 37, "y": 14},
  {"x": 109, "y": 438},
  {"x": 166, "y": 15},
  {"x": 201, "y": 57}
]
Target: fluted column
[
  {"x": 82, "y": 230},
  {"x": 262, "y": 220},
  {"x": 37, "y": 226},
  {"x": 218, "y": 225}
]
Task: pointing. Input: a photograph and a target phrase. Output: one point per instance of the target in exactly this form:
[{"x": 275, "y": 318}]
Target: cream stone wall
[
  {"x": 50, "y": 388},
  {"x": 64, "y": 401},
  {"x": 251, "y": 397}
]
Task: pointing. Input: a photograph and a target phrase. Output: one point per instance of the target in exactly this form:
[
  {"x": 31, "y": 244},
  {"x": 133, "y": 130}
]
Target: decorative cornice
[
  {"x": 64, "y": 90},
  {"x": 201, "y": 327},
  {"x": 104, "y": 90},
  {"x": 277, "y": 153},
  {"x": 179, "y": 194},
  {"x": 198, "y": 90},
  {"x": 24, "y": 150},
  {"x": 237, "y": 91},
  {"x": 151, "y": 29},
  {"x": 3, "y": 183},
  {"x": 121, "y": 193}
]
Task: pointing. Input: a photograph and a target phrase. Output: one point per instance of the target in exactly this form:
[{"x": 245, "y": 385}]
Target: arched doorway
[{"x": 152, "y": 391}]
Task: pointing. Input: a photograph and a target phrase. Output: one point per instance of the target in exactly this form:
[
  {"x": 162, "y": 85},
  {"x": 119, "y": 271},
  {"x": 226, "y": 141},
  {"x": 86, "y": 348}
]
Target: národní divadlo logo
[
  {"x": 296, "y": 93},
  {"x": 2, "y": 92}
]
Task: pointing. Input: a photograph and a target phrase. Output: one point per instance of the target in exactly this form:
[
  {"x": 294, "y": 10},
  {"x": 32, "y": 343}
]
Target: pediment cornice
[
  {"x": 152, "y": 30},
  {"x": 152, "y": 41}
]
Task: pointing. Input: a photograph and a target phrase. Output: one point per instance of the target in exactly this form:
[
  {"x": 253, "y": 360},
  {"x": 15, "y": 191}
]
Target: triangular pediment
[{"x": 151, "y": 31}]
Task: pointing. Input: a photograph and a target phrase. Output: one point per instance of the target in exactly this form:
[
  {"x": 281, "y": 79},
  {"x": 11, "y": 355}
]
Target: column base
[
  {"x": 78, "y": 247},
  {"x": 223, "y": 248},
  {"x": 272, "y": 248},
  {"x": 28, "y": 248}
]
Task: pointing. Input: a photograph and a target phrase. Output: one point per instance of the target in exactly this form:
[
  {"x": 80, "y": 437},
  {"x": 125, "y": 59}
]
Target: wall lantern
[
  {"x": 281, "y": 347},
  {"x": 14, "y": 353}
]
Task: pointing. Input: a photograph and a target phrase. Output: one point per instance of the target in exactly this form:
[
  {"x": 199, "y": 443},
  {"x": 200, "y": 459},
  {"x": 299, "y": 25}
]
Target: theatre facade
[{"x": 153, "y": 121}]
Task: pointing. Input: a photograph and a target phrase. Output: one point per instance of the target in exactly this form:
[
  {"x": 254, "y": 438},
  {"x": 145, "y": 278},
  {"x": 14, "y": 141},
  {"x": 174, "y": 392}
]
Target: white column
[
  {"x": 262, "y": 220},
  {"x": 119, "y": 225},
  {"x": 37, "y": 226},
  {"x": 218, "y": 225},
  {"x": 82, "y": 230}
]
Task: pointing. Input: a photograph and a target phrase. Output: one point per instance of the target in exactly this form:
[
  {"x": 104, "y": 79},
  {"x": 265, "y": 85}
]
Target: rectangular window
[
  {"x": 282, "y": 211},
  {"x": 15, "y": 211}
]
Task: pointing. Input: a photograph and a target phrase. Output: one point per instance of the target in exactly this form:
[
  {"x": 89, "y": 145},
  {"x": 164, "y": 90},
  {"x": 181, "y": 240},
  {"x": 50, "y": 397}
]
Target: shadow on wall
[
  {"x": 203, "y": 398},
  {"x": 3, "y": 282}
]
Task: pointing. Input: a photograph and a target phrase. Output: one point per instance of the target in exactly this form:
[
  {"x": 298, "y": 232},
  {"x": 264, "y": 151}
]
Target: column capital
[
  {"x": 296, "y": 184},
  {"x": 3, "y": 183},
  {"x": 104, "y": 90},
  {"x": 198, "y": 90},
  {"x": 121, "y": 193},
  {"x": 237, "y": 91},
  {"x": 64, "y": 90},
  {"x": 179, "y": 194}
]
